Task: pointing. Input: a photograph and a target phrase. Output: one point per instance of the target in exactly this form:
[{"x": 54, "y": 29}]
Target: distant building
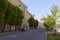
[
  {"x": 41, "y": 23},
  {"x": 57, "y": 27}
]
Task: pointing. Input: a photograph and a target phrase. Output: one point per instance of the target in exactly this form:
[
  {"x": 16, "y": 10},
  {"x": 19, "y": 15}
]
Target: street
[{"x": 35, "y": 34}]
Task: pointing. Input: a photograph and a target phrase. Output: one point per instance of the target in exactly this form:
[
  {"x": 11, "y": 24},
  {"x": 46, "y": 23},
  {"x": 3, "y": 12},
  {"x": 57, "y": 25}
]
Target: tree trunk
[
  {"x": 1, "y": 27},
  {"x": 10, "y": 28}
]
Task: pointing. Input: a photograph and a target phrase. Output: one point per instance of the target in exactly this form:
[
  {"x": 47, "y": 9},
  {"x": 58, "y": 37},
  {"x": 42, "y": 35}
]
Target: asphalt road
[{"x": 36, "y": 34}]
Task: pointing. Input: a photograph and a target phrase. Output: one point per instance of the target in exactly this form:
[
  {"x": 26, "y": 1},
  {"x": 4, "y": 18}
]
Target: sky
[{"x": 40, "y": 7}]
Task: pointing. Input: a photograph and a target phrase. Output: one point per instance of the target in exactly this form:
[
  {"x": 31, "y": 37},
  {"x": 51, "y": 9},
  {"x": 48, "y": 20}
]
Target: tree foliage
[
  {"x": 32, "y": 22},
  {"x": 35, "y": 23},
  {"x": 1, "y": 17},
  {"x": 55, "y": 12},
  {"x": 10, "y": 14},
  {"x": 49, "y": 22},
  {"x": 3, "y": 5}
]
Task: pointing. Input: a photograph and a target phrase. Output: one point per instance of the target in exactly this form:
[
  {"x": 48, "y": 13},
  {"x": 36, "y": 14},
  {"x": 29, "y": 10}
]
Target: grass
[
  {"x": 53, "y": 37},
  {"x": 48, "y": 30}
]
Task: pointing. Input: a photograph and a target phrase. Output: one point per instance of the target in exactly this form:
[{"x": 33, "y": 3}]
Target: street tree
[
  {"x": 49, "y": 22},
  {"x": 51, "y": 19},
  {"x": 10, "y": 14},
  {"x": 3, "y": 7},
  {"x": 32, "y": 22}
]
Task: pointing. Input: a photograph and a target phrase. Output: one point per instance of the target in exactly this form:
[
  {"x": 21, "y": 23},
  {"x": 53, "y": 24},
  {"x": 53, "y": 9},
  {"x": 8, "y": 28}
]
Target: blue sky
[{"x": 40, "y": 7}]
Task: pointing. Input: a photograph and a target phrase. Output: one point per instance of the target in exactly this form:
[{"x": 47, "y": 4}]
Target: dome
[{"x": 42, "y": 17}]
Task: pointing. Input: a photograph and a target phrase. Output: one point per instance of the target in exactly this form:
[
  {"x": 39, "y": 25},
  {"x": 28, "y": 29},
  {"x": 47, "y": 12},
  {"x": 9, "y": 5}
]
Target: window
[{"x": 20, "y": 5}]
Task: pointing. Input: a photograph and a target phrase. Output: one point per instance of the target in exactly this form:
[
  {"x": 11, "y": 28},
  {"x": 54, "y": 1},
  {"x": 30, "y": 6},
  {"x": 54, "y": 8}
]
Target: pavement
[{"x": 36, "y": 34}]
